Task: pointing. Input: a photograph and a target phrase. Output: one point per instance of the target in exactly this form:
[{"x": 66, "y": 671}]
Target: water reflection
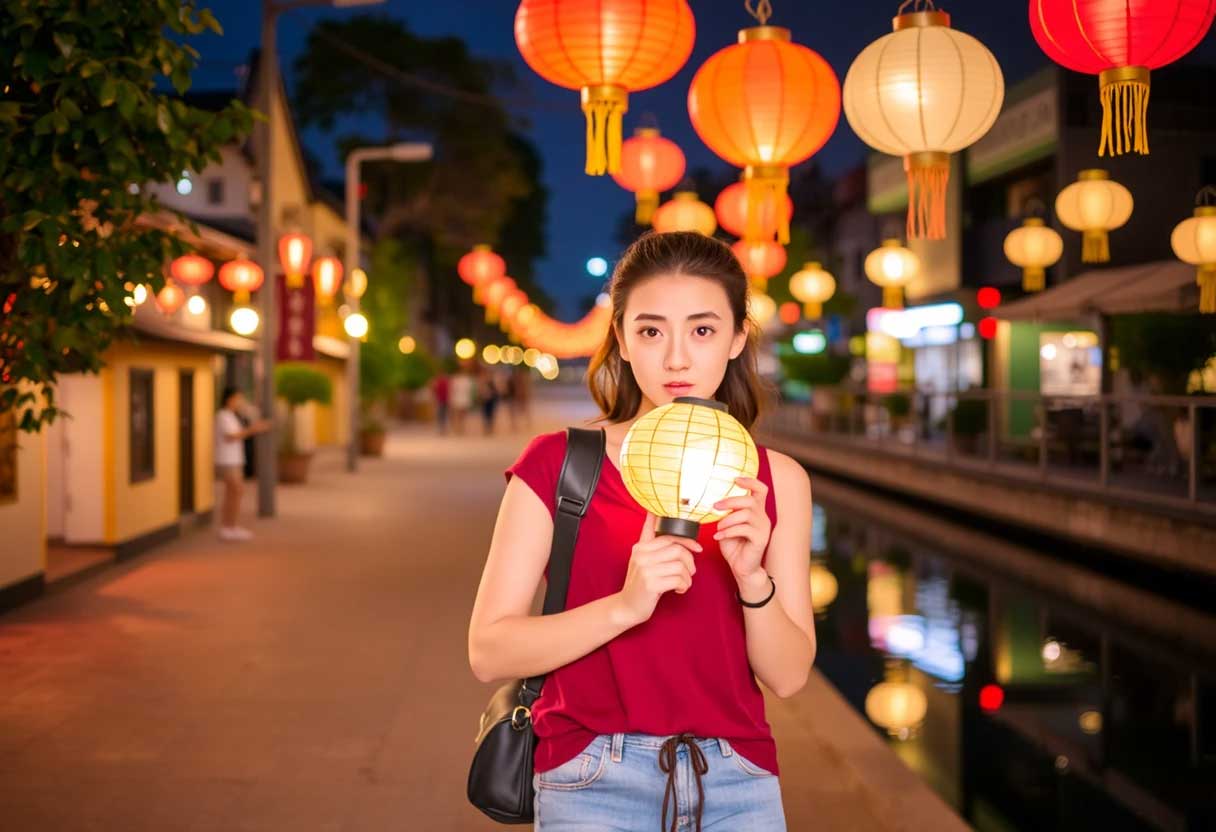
[{"x": 1020, "y": 706}]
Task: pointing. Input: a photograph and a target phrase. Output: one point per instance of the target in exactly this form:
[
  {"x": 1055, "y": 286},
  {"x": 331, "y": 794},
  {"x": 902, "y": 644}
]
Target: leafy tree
[
  {"x": 1165, "y": 347},
  {"x": 84, "y": 129}
]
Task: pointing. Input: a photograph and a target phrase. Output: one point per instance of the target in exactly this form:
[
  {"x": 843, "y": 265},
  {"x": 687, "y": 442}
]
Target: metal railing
[{"x": 1161, "y": 448}]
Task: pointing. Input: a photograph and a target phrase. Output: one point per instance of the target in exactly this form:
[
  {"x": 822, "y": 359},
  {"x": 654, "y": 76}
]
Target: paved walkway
[{"x": 316, "y": 679}]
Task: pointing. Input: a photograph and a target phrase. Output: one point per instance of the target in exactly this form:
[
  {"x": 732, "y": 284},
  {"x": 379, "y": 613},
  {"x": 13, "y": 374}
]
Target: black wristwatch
[{"x": 759, "y": 603}]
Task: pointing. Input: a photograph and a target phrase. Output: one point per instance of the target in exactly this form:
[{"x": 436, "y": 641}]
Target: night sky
[{"x": 583, "y": 210}]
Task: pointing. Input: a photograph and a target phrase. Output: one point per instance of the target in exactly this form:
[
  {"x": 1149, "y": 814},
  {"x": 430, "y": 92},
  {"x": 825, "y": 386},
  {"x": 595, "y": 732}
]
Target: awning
[
  {"x": 330, "y": 346},
  {"x": 156, "y": 326},
  {"x": 1160, "y": 286}
]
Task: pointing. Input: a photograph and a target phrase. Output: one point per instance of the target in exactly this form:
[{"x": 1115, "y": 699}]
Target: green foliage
[
  {"x": 824, "y": 368},
  {"x": 1165, "y": 347},
  {"x": 418, "y": 368},
  {"x": 83, "y": 125},
  {"x": 300, "y": 384},
  {"x": 898, "y": 405},
  {"x": 379, "y": 371},
  {"x": 970, "y": 417}
]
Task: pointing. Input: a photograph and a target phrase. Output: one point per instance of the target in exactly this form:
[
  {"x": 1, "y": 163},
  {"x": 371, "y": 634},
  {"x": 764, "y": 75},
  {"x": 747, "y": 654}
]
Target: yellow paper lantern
[
  {"x": 824, "y": 588},
  {"x": 761, "y": 307},
  {"x": 923, "y": 92},
  {"x": 1034, "y": 247},
  {"x": 896, "y": 706},
  {"x": 1094, "y": 205},
  {"x": 813, "y": 286},
  {"x": 892, "y": 267},
  {"x": 685, "y": 212},
  {"x": 1194, "y": 242},
  {"x": 682, "y": 457}
]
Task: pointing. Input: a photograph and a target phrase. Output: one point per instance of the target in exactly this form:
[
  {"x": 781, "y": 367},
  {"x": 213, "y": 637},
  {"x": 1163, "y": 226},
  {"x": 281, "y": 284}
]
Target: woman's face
[{"x": 677, "y": 334}]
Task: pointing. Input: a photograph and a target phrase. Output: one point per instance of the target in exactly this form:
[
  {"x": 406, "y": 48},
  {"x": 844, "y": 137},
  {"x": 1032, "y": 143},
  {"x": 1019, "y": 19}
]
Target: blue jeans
[{"x": 619, "y": 783}]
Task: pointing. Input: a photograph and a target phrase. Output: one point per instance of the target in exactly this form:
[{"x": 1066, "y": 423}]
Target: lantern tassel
[
  {"x": 812, "y": 310},
  {"x": 1034, "y": 279},
  {"x": 758, "y": 284},
  {"x": 1207, "y": 289},
  {"x": 1124, "y": 112},
  {"x": 928, "y": 177},
  {"x": 604, "y": 106},
  {"x": 648, "y": 201},
  {"x": 892, "y": 297},
  {"x": 1095, "y": 247},
  {"x": 765, "y": 189}
]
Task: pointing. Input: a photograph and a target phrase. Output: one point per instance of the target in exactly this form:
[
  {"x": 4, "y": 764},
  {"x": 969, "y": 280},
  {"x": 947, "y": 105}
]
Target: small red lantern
[
  {"x": 650, "y": 164},
  {"x": 327, "y": 277},
  {"x": 761, "y": 259},
  {"x": 991, "y": 697},
  {"x": 789, "y": 313},
  {"x": 731, "y": 208},
  {"x": 987, "y": 328},
  {"x": 512, "y": 302},
  {"x": 241, "y": 277},
  {"x": 479, "y": 267},
  {"x": 191, "y": 270},
  {"x": 493, "y": 296},
  {"x": 295, "y": 253},
  {"x": 170, "y": 298},
  {"x": 989, "y": 297}
]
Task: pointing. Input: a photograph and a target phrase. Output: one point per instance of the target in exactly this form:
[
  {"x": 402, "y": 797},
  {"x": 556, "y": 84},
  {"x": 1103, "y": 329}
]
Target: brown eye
[
  {"x": 708, "y": 330},
  {"x": 646, "y": 331}
]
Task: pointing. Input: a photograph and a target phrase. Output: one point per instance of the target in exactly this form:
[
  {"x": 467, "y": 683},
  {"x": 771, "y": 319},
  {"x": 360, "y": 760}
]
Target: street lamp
[
  {"x": 268, "y": 70},
  {"x": 401, "y": 152}
]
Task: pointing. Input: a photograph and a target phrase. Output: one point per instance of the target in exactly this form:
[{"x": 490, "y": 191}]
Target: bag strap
[{"x": 585, "y": 450}]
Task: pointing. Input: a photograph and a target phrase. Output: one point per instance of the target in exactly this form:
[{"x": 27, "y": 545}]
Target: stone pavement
[{"x": 317, "y": 679}]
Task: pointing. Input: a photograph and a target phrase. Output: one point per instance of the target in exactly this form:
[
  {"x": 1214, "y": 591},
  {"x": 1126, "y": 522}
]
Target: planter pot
[
  {"x": 293, "y": 468},
  {"x": 372, "y": 442}
]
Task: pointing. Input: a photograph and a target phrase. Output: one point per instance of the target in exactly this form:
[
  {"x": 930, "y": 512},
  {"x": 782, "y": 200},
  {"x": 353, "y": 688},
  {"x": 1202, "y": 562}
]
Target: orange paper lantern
[
  {"x": 327, "y": 277},
  {"x": 605, "y": 50},
  {"x": 295, "y": 253},
  {"x": 685, "y": 212},
  {"x": 170, "y": 299},
  {"x": 493, "y": 296},
  {"x": 479, "y": 267},
  {"x": 789, "y": 313},
  {"x": 764, "y": 104},
  {"x": 241, "y": 277},
  {"x": 650, "y": 164},
  {"x": 191, "y": 270},
  {"x": 761, "y": 259},
  {"x": 731, "y": 210}
]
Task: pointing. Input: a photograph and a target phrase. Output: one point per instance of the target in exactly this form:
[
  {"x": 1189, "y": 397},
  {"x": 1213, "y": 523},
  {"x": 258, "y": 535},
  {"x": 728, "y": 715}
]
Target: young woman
[
  {"x": 230, "y": 436},
  {"x": 650, "y": 709}
]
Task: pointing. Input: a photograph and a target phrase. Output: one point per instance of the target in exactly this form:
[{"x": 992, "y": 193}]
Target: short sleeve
[{"x": 540, "y": 465}]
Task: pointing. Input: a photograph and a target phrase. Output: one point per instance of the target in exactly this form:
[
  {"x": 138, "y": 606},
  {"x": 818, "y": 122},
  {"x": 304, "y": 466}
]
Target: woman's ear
[{"x": 740, "y": 340}]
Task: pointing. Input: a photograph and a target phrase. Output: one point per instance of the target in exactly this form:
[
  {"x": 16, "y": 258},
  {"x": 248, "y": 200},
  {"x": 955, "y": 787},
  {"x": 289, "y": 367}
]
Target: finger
[
  {"x": 672, "y": 553},
  {"x": 752, "y": 484},
  {"x": 648, "y": 527},
  {"x": 747, "y": 532},
  {"x": 663, "y": 541},
  {"x": 740, "y": 515},
  {"x": 746, "y": 501}
]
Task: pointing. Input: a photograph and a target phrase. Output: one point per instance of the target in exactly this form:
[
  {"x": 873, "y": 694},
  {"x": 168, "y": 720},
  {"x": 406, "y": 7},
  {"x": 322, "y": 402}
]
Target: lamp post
[
  {"x": 268, "y": 75},
  {"x": 402, "y": 152}
]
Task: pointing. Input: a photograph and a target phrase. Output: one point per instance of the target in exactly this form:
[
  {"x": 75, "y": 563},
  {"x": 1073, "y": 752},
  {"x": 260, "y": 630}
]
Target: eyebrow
[{"x": 646, "y": 316}]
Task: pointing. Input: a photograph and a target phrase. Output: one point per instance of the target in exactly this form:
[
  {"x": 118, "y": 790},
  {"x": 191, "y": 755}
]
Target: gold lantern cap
[
  {"x": 714, "y": 403},
  {"x": 755, "y": 33},
  {"x": 812, "y": 264},
  {"x": 1205, "y": 210},
  {"x": 1033, "y": 222},
  {"x": 1123, "y": 75},
  {"x": 1092, "y": 174},
  {"x": 685, "y": 195},
  {"x": 646, "y": 132},
  {"x": 481, "y": 247},
  {"x": 920, "y": 20}
]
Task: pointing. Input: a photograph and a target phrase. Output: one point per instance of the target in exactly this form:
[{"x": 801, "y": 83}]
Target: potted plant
[
  {"x": 379, "y": 370},
  {"x": 970, "y": 420},
  {"x": 298, "y": 384}
]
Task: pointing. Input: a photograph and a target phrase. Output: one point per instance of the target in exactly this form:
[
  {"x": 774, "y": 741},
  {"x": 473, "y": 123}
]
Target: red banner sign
[{"x": 297, "y": 320}]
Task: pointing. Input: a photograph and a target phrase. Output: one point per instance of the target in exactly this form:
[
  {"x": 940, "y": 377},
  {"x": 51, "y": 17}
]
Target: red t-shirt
[{"x": 683, "y": 670}]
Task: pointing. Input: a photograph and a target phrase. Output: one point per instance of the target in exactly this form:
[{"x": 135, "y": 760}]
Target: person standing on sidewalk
[
  {"x": 230, "y": 435},
  {"x": 440, "y": 390},
  {"x": 650, "y": 705},
  {"x": 461, "y": 394}
]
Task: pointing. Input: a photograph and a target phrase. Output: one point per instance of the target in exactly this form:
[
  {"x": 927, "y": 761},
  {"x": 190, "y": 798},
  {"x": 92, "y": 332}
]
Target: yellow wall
[
  {"x": 23, "y": 520},
  {"x": 133, "y": 509},
  {"x": 330, "y": 420}
]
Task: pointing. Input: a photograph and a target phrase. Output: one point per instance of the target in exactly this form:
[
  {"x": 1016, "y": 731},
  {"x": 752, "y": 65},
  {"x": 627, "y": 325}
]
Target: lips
[{"x": 678, "y": 387}]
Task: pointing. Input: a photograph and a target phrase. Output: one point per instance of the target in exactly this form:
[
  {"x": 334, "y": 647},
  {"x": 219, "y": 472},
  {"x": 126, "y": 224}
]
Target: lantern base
[
  {"x": 1095, "y": 247},
  {"x": 697, "y": 400},
  {"x": 1124, "y": 93},
  {"x": 928, "y": 176},
  {"x": 678, "y": 527},
  {"x": 1207, "y": 290},
  {"x": 605, "y": 105},
  {"x": 648, "y": 201},
  {"x": 812, "y": 310},
  {"x": 765, "y": 187},
  {"x": 1034, "y": 279}
]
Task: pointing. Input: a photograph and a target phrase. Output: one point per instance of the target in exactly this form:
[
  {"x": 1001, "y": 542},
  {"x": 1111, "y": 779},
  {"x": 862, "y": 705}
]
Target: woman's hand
[
  {"x": 743, "y": 534},
  {"x": 656, "y": 565}
]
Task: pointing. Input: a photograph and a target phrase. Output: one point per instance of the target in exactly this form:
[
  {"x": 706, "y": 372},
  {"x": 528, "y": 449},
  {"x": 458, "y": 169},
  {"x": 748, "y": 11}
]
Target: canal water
[{"x": 1030, "y": 693}]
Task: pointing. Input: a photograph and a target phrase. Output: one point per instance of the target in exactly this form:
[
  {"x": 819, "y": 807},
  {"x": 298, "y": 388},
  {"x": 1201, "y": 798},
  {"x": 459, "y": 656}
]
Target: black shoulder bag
[{"x": 500, "y": 779}]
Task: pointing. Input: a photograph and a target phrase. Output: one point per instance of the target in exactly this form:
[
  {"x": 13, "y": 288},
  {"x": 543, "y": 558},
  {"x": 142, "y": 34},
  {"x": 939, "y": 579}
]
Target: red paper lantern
[
  {"x": 789, "y": 313},
  {"x": 1120, "y": 42},
  {"x": 989, "y": 297},
  {"x": 327, "y": 277},
  {"x": 761, "y": 259},
  {"x": 511, "y": 304},
  {"x": 191, "y": 270},
  {"x": 493, "y": 295},
  {"x": 650, "y": 164},
  {"x": 987, "y": 328},
  {"x": 764, "y": 104},
  {"x": 170, "y": 299},
  {"x": 606, "y": 51},
  {"x": 295, "y": 253},
  {"x": 731, "y": 209},
  {"x": 991, "y": 697},
  {"x": 241, "y": 277}
]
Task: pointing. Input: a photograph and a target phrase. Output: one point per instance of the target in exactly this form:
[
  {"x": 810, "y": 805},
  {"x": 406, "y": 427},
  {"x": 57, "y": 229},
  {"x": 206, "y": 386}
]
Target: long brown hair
[{"x": 609, "y": 377}]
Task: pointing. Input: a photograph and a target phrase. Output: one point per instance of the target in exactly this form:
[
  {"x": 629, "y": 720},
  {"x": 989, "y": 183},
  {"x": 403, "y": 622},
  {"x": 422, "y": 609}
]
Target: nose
[{"x": 676, "y": 359}]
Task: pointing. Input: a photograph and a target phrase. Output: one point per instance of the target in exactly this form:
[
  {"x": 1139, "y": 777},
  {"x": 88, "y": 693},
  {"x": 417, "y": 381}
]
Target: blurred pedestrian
[
  {"x": 461, "y": 394},
  {"x": 441, "y": 390},
  {"x": 519, "y": 403},
  {"x": 488, "y": 394},
  {"x": 230, "y": 436}
]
